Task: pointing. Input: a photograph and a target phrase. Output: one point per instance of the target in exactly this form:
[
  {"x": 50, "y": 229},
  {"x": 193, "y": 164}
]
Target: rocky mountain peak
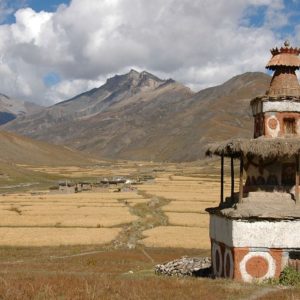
[
  {"x": 4, "y": 96},
  {"x": 11, "y": 108},
  {"x": 139, "y": 116},
  {"x": 148, "y": 81},
  {"x": 135, "y": 81},
  {"x": 133, "y": 73}
]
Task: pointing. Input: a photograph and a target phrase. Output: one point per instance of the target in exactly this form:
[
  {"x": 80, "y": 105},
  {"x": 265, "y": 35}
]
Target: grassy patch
[
  {"x": 100, "y": 273},
  {"x": 288, "y": 277}
]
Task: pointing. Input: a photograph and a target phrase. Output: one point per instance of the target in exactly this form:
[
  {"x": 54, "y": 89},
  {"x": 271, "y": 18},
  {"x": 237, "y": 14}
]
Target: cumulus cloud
[
  {"x": 7, "y": 7},
  {"x": 200, "y": 43}
]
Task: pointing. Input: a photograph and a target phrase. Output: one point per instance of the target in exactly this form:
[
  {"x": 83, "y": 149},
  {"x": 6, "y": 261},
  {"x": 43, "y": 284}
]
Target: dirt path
[
  {"x": 149, "y": 215},
  {"x": 263, "y": 291}
]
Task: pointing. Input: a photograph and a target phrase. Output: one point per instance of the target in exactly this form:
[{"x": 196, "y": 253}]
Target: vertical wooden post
[
  {"x": 241, "y": 179},
  {"x": 232, "y": 178},
  {"x": 297, "y": 181},
  {"x": 222, "y": 179}
]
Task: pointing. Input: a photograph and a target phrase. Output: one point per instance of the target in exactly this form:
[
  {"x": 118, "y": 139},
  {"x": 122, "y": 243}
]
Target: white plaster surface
[
  {"x": 268, "y": 234},
  {"x": 279, "y": 106}
]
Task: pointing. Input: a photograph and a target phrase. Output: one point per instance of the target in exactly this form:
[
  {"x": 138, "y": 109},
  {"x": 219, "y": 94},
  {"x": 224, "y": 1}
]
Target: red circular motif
[
  {"x": 272, "y": 123},
  {"x": 257, "y": 266}
]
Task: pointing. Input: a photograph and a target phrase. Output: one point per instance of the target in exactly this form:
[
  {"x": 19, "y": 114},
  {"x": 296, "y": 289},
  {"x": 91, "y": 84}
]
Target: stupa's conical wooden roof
[
  {"x": 284, "y": 57},
  {"x": 285, "y": 61}
]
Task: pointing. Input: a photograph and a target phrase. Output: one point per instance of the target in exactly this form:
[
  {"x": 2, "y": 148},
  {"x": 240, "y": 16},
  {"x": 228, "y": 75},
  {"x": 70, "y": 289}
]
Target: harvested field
[
  {"x": 95, "y": 230},
  {"x": 108, "y": 220},
  {"x": 186, "y": 197},
  {"x": 71, "y": 210},
  {"x": 178, "y": 196},
  {"x": 188, "y": 219},
  {"x": 26, "y": 237},
  {"x": 188, "y": 206},
  {"x": 177, "y": 237}
]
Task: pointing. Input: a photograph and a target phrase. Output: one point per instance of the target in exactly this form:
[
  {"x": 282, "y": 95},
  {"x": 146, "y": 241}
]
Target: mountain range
[
  {"x": 10, "y": 108},
  {"x": 139, "y": 116}
]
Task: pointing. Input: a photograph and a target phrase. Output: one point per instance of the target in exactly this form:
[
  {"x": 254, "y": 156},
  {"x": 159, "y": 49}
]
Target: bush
[{"x": 289, "y": 276}]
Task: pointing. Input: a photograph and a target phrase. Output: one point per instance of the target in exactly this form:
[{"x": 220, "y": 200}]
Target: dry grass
[
  {"x": 63, "y": 220},
  {"x": 93, "y": 272},
  {"x": 186, "y": 190},
  {"x": 95, "y": 197},
  {"x": 75, "y": 210},
  {"x": 185, "y": 199},
  {"x": 184, "y": 178},
  {"x": 56, "y": 236},
  {"x": 183, "y": 196},
  {"x": 286, "y": 294},
  {"x": 177, "y": 237},
  {"x": 188, "y": 206},
  {"x": 188, "y": 219},
  {"x": 81, "y": 172},
  {"x": 48, "y": 273}
]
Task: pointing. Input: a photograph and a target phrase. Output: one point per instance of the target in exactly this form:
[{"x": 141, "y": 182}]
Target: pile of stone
[{"x": 186, "y": 266}]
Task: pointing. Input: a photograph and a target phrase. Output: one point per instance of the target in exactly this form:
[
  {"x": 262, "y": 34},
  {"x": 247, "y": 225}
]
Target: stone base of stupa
[{"x": 252, "y": 250}]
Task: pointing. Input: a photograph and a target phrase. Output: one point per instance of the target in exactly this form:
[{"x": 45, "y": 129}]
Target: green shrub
[{"x": 289, "y": 276}]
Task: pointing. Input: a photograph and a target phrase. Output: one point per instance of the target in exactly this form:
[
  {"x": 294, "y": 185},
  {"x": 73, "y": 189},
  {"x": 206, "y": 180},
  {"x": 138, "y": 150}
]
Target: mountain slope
[
  {"x": 17, "y": 149},
  {"x": 139, "y": 116},
  {"x": 61, "y": 123},
  {"x": 11, "y": 108}
]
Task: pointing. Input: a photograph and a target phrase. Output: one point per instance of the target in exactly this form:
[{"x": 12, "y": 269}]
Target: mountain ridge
[
  {"x": 141, "y": 117},
  {"x": 11, "y": 108}
]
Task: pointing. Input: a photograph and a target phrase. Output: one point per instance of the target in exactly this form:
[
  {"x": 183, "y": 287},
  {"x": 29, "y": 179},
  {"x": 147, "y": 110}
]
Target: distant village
[{"x": 115, "y": 184}]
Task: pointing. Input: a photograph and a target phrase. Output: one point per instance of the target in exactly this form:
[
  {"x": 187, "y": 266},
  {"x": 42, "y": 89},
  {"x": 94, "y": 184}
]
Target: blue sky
[
  {"x": 49, "y": 55},
  {"x": 48, "y": 5},
  {"x": 37, "y": 5},
  {"x": 256, "y": 16}
]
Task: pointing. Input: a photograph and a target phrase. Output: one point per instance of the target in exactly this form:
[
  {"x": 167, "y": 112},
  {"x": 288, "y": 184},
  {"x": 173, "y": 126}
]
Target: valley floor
[{"x": 104, "y": 243}]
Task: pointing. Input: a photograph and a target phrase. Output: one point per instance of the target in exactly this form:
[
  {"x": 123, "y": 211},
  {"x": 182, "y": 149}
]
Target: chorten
[{"x": 255, "y": 232}]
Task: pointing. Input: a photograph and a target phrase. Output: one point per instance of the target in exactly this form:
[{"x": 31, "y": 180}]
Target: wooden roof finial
[{"x": 285, "y": 61}]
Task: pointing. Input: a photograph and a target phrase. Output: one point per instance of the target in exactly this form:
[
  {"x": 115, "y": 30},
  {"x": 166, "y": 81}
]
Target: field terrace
[{"x": 155, "y": 213}]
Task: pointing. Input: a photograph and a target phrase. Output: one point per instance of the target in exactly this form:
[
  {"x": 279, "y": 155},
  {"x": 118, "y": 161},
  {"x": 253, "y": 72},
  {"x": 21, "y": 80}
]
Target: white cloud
[
  {"x": 7, "y": 7},
  {"x": 200, "y": 43},
  {"x": 67, "y": 88}
]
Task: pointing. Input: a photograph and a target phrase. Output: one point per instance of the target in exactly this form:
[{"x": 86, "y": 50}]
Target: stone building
[{"x": 255, "y": 232}]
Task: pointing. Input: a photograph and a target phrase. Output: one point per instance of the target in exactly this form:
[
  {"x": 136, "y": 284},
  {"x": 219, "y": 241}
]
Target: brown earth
[
  {"x": 92, "y": 272},
  {"x": 18, "y": 152},
  {"x": 22, "y": 150}
]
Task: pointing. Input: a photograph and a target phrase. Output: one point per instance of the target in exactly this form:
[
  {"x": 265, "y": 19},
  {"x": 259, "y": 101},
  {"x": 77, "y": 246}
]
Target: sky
[{"x": 52, "y": 50}]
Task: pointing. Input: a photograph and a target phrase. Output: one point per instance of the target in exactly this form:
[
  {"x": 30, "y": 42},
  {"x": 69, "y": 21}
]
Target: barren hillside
[
  {"x": 141, "y": 117},
  {"x": 12, "y": 108},
  {"x": 16, "y": 149}
]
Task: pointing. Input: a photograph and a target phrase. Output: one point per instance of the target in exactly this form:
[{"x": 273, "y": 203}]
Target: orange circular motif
[
  {"x": 272, "y": 123},
  {"x": 257, "y": 266}
]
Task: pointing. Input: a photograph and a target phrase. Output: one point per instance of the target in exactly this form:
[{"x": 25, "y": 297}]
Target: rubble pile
[{"x": 186, "y": 266}]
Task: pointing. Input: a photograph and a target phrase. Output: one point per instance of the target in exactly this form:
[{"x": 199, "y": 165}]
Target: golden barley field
[
  {"x": 167, "y": 211},
  {"x": 104, "y": 243}
]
